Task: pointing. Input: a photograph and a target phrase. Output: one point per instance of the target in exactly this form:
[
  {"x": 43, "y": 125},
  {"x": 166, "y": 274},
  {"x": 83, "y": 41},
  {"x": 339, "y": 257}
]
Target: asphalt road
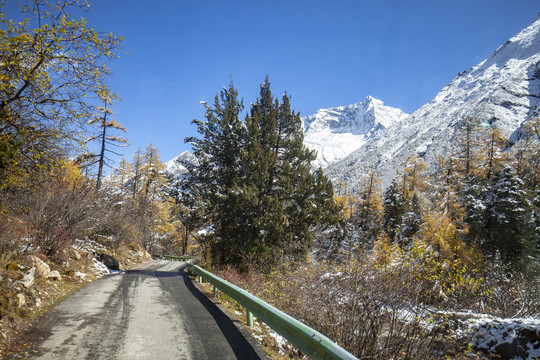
[{"x": 153, "y": 312}]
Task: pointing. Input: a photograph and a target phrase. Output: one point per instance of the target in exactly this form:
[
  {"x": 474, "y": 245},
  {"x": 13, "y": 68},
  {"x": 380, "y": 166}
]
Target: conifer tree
[
  {"x": 475, "y": 197},
  {"x": 468, "y": 140},
  {"x": 105, "y": 140},
  {"x": 369, "y": 211},
  {"x": 256, "y": 177},
  {"x": 150, "y": 207},
  {"x": 494, "y": 157},
  {"x": 288, "y": 198},
  {"x": 394, "y": 210},
  {"x": 340, "y": 242},
  {"x": 414, "y": 177},
  {"x": 510, "y": 220}
]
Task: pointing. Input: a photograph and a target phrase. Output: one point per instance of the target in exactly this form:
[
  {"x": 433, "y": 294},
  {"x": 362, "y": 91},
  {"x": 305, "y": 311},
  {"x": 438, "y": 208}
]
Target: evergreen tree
[
  {"x": 340, "y": 242},
  {"x": 394, "y": 210},
  {"x": 214, "y": 177},
  {"x": 285, "y": 198},
  {"x": 256, "y": 177},
  {"x": 475, "y": 202},
  {"x": 510, "y": 220},
  {"x": 412, "y": 218},
  {"x": 414, "y": 183}
]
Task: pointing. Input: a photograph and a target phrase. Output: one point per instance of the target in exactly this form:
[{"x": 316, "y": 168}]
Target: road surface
[{"x": 153, "y": 312}]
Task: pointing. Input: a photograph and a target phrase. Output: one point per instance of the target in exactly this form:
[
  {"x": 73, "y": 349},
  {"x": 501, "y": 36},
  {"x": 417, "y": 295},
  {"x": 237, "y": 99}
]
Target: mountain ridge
[
  {"x": 336, "y": 132},
  {"x": 502, "y": 91}
]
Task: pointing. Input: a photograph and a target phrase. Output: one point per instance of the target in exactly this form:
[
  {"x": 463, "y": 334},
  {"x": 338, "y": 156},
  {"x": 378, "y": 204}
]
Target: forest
[
  {"x": 390, "y": 266},
  {"x": 399, "y": 266}
]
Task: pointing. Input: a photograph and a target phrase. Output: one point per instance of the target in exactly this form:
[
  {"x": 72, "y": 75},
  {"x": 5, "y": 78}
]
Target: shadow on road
[{"x": 241, "y": 347}]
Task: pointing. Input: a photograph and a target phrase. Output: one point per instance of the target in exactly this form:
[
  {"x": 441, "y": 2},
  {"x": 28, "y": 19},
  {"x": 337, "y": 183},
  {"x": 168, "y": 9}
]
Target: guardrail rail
[
  {"x": 186, "y": 258},
  {"x": 309, "y": 341}
]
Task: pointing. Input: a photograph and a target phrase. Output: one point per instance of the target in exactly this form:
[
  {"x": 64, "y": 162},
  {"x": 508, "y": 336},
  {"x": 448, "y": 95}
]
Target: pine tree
[
  {"x": 474, "y": 198},
  {"x": 215, "y": 176},
  {"x": 394, "y": 210},
  {"x": 510, "y": 222},
  {"x": 412, "y": 218},
  {"x": 287, "y": 199},
  {"x": 256, "y": 177}
]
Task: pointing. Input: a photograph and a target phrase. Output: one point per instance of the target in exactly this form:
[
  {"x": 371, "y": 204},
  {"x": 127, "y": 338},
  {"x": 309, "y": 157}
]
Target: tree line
[
  {"x": 481, "y": 204},
  {"x": 251, "y": 197},
  {"x": 56, "y": 100}
]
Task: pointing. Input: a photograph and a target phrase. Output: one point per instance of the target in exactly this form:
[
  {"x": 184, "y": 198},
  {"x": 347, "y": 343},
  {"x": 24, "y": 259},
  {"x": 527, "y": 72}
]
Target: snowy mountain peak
[
  {"x": 502, "y": 91},
  {"x": 336, "y": 132},
  {"x": 175, "y": 165}
]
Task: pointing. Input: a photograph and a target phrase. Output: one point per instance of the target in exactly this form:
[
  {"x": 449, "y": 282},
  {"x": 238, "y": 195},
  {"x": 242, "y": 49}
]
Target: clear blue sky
[{"x": 323, "y": 53}]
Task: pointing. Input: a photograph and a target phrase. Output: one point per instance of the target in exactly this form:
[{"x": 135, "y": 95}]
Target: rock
[
  {"x": 54, "y": 275},
  {"x": 511, "y": 350},
  {"x": 42, "y": 269},
  {"x": 506, "y": 350},
  {"x": 509, "y": 341},
  {"x": 76, "y": 254},
  {"x": 38, "y": 303},
  {"x": 21, "y": 300},
  {"x": 28, "y": 278},
  {"x": 109, "y": 261},
  {"x": 144, "y": 255},
  {"x": 79, "y": 275}
]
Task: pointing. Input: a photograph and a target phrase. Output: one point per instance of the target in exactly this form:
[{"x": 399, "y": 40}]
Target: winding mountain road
[{"x": 153, "y": 312}]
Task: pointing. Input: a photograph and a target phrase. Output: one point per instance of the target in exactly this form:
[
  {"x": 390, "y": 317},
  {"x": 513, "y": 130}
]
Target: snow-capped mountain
[
  {"x": 503, "y": 91},
  {"x": 175, "y": 165},
  {"x": 336, "y": 132}
]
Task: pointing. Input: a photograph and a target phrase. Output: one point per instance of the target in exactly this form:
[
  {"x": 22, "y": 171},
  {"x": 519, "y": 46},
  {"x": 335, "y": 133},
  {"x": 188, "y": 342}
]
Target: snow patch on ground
[{"x": 517, "y": 336}]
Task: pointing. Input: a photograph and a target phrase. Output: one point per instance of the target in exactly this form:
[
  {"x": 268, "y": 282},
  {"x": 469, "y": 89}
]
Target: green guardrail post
[
  {"x": 249, "y": 318},
  {"x": 311, "y": 342}
]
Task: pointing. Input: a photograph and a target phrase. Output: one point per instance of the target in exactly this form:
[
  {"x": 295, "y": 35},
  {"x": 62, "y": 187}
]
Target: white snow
[
  {"x": 503, "y": 91},
  {"x": 175, "y": 165},
  {"x": 490, "y": 332},
  {"x": 336, "y": 132}
]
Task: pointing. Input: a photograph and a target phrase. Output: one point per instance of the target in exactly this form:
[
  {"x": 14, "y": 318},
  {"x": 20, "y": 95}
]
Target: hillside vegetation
[{"x": 409, "y": 271}]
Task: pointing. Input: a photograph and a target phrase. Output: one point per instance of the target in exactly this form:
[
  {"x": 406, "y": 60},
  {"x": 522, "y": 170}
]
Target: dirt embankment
[{"x": 31, "y": 284}]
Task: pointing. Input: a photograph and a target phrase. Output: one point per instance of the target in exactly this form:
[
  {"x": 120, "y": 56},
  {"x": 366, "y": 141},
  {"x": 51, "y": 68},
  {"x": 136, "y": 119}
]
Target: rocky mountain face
[
  {"x": 502, "y": 91},
  {"x": 336, "y": 132},
  {"x": 175, "y": 165}
]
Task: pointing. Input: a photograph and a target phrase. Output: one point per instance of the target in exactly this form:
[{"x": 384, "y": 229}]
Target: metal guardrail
[
  {"x": 309, "y": 341},
  {"x": 186, "y": 258}
]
